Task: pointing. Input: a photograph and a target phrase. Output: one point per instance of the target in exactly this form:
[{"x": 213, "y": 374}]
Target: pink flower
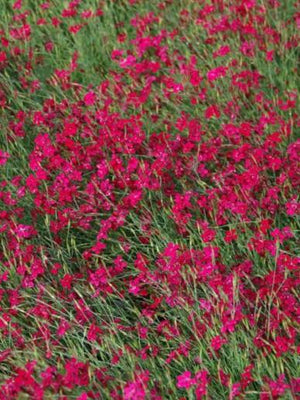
[
  {"x": 222, "y": 51},
  {"x": 2, "y": 56},
  {"x": 202, "y": 383},
  {"x": 77, "y": 374},
  {"x": 17, "y": 5},
  {"x": 230, "y": 236},
  {"x": 93, "y": 332},
  {"x": 83, "y": 396},
  {"x": 4, "y": 156},
  {"x": 66, "y": 281},
  {"x": 270, "y": 55},
  {"x": 208, "y": 235},
  {"x": 89, "y": 99},
  {"x": 292, "y": 207},
  {"x": 217, "y": 342},
  {"x": 278, "y": 387},
  {"x": 127, "y": 62},
  {"x": 25, "y": 231},
  {"x": 75, "y": 28},
  {"x": 185, "y": 381},
  {"x": 136, "y": 390},
  {"x": 212, "y": 111},
  {"x": 64, "y": 326},
  {"x": 216, "y": 73},
  {"x": 235, "y": 390}
]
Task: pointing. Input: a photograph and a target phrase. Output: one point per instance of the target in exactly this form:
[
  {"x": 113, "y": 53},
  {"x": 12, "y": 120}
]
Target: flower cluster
[{"x": 149, "y": 200}]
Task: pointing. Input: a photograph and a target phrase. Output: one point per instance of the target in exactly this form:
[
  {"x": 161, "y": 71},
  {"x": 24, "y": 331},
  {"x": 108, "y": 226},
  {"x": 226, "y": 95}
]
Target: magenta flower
[{"x": 185, "y": 380}]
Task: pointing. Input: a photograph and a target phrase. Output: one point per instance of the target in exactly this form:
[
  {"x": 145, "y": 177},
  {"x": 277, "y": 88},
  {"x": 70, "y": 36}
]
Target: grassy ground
[{"x": 149, "y": 200}]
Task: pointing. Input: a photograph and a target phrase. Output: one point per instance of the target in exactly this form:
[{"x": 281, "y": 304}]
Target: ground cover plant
[{"x": 149, "y": 199}]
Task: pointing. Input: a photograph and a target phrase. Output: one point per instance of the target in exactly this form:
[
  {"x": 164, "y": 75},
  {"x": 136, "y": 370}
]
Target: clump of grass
[{"x": 149, "y": 200}]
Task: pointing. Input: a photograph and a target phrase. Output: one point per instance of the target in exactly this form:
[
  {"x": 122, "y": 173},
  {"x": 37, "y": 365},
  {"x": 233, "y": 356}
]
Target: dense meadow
[{"x": 149, "y": 199}]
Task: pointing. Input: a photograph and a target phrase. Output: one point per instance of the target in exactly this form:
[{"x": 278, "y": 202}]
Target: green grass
[{"x": 94, "y": 44}]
